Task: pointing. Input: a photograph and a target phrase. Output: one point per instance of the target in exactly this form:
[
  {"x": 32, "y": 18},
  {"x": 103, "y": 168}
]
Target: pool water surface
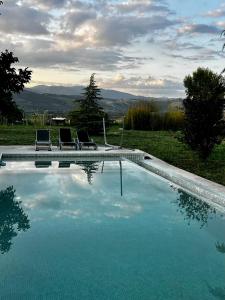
[{"x": 105, "y": 230}]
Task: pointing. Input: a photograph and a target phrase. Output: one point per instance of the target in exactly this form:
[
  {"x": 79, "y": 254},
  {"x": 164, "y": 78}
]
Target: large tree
[
  {"x": 90, "y": 113},
  {"x": 12, "y": 81},
  {"x": 204, "y": 108},
  {"x": 12, "y": 218}
]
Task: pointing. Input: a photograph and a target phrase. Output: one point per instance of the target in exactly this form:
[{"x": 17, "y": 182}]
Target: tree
[
  {"x": 90, "y": 113},
  {"x": 11, "y": 82},
  {"x": 194, "y": 209},
  {"x": 12, "y": 218},
  {"x": 204, "y": 106},
  {"x": 90, "y": 168},
  {"x": 1, "y": 2}
]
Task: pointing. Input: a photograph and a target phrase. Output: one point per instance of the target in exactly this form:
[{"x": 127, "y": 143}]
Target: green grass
[{"x": 162, "y": 144}]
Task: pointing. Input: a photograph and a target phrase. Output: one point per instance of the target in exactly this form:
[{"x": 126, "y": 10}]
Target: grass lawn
[{"x": 162, "y": 144}]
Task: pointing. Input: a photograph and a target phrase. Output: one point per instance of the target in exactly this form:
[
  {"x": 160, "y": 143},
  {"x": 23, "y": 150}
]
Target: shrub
[
  {"x": 174, "y": 120},
  {"x": 138, "y": 116},
  {"x": 145, "y": 116},
  {"x": 204, "y": 105}
]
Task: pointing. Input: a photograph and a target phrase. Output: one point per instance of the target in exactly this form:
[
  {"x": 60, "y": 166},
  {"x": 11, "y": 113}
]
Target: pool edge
[
  {"x": 211, "y": 191},
  {"x": 204, "y": 188}
]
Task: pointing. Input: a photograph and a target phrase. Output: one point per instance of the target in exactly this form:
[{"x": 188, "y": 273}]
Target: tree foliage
[
  {"x": 11, "y": 81},
  {"x": 12, "y": 218},
  {"x": 194, "y": 209},
  {"x": 90, "y": 113},
  {"x": 145, "y": 115},
  {"x": 90, "y": 168},
  {"x": 204, "y": 107}
]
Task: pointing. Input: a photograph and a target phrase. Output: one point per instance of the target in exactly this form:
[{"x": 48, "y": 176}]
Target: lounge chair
[
  {"x": 83, "y": 140},
  {"x": 65, "y": 164},
  {"x": 43, "y": 139},
  {"x": 42, "y": 164},
  {"x": 65, "y": 138}
]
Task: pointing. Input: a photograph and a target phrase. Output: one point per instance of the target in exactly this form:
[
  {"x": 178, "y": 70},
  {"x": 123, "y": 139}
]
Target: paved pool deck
[
  {"x": 103, "y": 153},
  {"x": 209, "y": 191}
]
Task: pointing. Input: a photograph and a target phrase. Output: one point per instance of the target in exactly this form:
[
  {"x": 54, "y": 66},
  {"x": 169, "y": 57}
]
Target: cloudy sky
[{"x": 145, "y": 47}]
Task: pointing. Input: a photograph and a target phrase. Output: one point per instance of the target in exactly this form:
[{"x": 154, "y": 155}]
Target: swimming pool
[{"x": 105, "y": 230}]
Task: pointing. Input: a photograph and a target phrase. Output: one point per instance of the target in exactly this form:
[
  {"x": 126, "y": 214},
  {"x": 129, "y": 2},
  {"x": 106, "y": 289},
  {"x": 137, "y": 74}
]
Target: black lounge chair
[
  {"x": 83, "y": 140},
  {"x": 42, "y": 164},
  {"x": 43, "y": 139},
  {"x": 65, "y": 138},
  {"x": 65, "y": 164}
]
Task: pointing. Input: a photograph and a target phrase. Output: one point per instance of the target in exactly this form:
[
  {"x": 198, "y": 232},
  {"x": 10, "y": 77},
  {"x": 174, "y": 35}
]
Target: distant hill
[
  {"x": 78, "y": 90},
  {"x": 31, "y": 101}
]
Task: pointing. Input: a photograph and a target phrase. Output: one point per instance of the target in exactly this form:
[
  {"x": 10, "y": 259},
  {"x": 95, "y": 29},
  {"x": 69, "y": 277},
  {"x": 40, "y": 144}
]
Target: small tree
[
  {"x": 11, "y": 82},
  {"x": 204, "y": 106},
  {"x": 90, "y": 113}
]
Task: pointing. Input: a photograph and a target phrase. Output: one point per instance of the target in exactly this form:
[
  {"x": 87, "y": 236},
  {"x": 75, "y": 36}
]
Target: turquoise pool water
[{"x": 105, "y": 231}]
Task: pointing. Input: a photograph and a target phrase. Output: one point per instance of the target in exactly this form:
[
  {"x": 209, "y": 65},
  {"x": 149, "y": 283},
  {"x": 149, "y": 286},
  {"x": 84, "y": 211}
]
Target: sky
[{"x": 144, "y": 47}]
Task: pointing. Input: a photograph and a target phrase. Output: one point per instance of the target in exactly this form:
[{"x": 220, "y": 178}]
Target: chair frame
[
  {"x": 88, "y": 144},
  {"x": 43, "y": 143},
  {"x": 61, "y": 143}
]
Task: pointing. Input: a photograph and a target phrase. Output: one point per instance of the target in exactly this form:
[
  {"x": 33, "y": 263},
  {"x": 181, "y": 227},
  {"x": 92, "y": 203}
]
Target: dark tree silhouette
[
  {"x": 12, "y": 218},
  {"x": 193, "y": 208},
  {"x": 89, "y": 115},
  {"x": 217, "y": 291},
  {"x": 1, "y": 2},
  {"x": 11, "y": 82},
  {"x": 204, "y": 106},
  {"x": 89, "y": 167},
  {"x": 220, "y": 247}
]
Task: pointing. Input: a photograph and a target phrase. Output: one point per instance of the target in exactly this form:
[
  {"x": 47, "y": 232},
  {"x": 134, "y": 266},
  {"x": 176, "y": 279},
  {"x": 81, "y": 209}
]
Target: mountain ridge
[
  {"x": 79, "y": 90},
  {"x": 31, "y": 102}
]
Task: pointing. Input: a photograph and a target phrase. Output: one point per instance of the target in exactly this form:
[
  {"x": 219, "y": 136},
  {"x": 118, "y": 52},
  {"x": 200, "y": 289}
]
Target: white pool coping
[
  {"x": 103, "y": 153},
  {"x": 206, "y": 189}
]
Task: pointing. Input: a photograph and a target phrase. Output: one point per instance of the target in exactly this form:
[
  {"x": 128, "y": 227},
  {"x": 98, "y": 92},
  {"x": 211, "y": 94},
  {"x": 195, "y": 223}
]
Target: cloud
[
  {"x": 114, "y": 31},
  {"x": 23, "y": 20},
  {"x": 174, "y": 44},
  {"x": 199, "y": 29},
  {"x": 203, "y": 55},
  {"x": 142, "y": 6},
  {"x": 90, "y": 59},
  {"x": 74, "y": 19},
  {"x": 145, "y": 85},
  {"x": 105, "y": 26},
  {"x": 217, "y": 13},
  {"x": 46, "y": 4}
]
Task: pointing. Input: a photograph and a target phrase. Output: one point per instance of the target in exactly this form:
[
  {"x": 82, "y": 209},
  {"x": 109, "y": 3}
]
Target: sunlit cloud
[
  {"x": 216, "y": 13},
  {"x": 135, "y": 38}
]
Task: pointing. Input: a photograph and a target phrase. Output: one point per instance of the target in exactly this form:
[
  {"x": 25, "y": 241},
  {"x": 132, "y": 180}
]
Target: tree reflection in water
[
  {"x": 220, "y": 247},
  {"x": 89, "y": 167},
  {"x": 12, "y": 218},
  {"x": 217, "y": 292},
  {"x": 193, "y": 208}
]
